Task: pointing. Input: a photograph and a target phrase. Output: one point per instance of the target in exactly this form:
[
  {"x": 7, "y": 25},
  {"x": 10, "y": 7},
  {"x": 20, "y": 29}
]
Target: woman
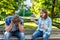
[{"x": 44, "y": 26}]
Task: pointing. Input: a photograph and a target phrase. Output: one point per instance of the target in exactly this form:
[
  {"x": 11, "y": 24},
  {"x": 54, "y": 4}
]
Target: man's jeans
[
  {"x": 20, "y": 35},
  {"x": 39, "y": 33}
]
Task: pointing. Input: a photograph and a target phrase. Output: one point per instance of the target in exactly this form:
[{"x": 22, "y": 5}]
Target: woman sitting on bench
[{"x": 44, "y": 26}]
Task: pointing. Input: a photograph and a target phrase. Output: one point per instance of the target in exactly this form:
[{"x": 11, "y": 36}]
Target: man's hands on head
[
  {"x": 21, "y": 28},
  {"x": 9, "y": 27}
]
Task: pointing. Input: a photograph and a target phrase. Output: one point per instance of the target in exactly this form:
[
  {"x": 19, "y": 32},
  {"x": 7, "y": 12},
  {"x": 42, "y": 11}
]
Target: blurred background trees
[
  {"x": 26, "y": 9},
  {"x": 9, "y": 6},
  {"x": 52, "y": 6}
]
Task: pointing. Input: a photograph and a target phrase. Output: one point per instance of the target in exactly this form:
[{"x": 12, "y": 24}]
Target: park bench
[
  {"x": 29, "y": 38},
  {"x": 56, "y": 24},
  {"x": 28, "y": 35},
  {"x": 30, "y": 32}
]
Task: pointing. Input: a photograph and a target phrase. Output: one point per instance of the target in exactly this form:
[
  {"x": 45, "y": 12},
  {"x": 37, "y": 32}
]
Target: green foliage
[
  {"x": 9, "y": 6},
  {"x": 37, "y": 5},
  {"x": 24, "y": 12},
  {"x": 2, "y": 16}
]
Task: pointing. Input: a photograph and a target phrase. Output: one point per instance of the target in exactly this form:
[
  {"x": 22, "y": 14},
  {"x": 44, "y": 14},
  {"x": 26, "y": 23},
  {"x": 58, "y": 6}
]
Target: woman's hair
[
  {"x": 16, "y": 19},
  {"x": 46, "y": 13}
]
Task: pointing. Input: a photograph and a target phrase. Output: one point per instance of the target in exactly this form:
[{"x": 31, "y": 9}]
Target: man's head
[{"x": 15, "y": 19}]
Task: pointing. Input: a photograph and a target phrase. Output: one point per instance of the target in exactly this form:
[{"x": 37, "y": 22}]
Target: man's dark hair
[{"x": 16, "y": 19}]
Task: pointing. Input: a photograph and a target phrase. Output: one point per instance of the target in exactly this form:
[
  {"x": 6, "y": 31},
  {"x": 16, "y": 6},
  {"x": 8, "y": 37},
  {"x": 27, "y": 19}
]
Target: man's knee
[
  {"x": 21, "y": 34},
  {"x": 7, "y": 34}
]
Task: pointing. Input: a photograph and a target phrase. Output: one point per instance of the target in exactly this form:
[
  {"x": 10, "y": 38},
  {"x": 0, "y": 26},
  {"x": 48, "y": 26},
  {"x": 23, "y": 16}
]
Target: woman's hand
[
  {"x": 44, "y": 27},
  {"x": 32, "y": 19}
]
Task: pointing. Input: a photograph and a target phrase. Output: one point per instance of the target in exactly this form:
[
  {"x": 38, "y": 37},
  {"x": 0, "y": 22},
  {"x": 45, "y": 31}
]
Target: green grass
[
  {"x": 56, "y": 20},
  {"x": 28, "y": 25},
  {"x": 31, "y": 25}
]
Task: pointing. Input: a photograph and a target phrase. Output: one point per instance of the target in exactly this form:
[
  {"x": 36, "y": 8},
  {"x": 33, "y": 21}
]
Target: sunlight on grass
[
  {"x": 27, "y": 25},
  {"x": 31, "y": 24},
  {"x": 53, "y": 27},
  {"x": 34, "y": 25},
  {"x": 29, "y": 18},
  {"x": 56, "y": 20},
  {"x": 1, "y": 22}
]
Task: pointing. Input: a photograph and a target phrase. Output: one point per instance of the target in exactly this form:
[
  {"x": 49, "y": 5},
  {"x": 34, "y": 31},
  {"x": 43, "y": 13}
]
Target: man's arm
[
  {"x": 21, "y": 25},
  {"x": 21, "y": 28},
  {"x": 50, "y": 25},
  {"x": 8, "y": 28},
  {"x": 8, "y": 23}
]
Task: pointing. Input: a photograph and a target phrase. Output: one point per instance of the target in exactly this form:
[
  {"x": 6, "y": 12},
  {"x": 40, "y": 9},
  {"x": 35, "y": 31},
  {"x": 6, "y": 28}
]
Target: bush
[{"x": 26, "y": 12}]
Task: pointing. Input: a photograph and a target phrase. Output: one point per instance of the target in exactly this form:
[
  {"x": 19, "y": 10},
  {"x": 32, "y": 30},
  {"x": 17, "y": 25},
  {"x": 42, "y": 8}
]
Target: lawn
[
  {"x": 27, "y": 25},
  {"x": 32, "y": 25}
]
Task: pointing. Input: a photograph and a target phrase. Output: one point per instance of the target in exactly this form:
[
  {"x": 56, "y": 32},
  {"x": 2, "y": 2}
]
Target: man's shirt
[{"x": 15, "y": 26}]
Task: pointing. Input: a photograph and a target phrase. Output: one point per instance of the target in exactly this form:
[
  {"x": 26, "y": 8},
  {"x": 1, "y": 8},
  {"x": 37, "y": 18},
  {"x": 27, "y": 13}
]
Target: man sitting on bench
[{"x": 14, "y": 27}]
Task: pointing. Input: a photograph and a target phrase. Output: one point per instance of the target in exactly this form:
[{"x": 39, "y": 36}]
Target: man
[{"x": 14, "y": 27}]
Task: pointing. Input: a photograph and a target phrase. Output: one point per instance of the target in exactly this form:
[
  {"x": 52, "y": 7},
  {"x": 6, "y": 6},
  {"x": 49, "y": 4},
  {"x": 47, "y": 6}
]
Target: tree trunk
[{"x": 52, "y": 11}]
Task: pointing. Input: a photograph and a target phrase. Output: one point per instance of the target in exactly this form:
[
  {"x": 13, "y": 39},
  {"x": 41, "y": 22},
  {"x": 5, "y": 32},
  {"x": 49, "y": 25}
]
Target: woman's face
[{"x": 42, "y": 14}]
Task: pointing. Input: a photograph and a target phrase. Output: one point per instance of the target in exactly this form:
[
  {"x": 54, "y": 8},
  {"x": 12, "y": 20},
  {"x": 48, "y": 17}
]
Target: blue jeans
[
  {"x": 20, "y": 35},
  {"x": 39, "y": 33}
]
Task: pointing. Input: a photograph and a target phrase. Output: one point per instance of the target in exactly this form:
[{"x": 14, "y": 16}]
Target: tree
[
  {"x": 9, "y": 6},
  {"x": 52, "y": 6}
]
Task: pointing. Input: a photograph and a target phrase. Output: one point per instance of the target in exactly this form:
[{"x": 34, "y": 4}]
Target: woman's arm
[
  {"x": 32, "y": 19},
  {"x": 50, "y": 25},
  {"x": 36, "y": 21}
]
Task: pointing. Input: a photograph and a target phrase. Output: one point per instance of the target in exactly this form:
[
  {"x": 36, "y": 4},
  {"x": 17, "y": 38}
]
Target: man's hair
[
  {"x": 45, "y": 11},
  {"x": 15, "y": 19}
]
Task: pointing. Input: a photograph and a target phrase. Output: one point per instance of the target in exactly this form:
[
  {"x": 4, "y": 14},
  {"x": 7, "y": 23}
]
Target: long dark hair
[{"x": 46, "y": 13}]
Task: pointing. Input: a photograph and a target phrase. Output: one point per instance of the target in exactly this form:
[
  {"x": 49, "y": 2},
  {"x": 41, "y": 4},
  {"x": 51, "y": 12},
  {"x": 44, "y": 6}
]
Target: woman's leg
[
  {"x": 45, "y": 36},
  {"x": 36, "y": 34}
]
